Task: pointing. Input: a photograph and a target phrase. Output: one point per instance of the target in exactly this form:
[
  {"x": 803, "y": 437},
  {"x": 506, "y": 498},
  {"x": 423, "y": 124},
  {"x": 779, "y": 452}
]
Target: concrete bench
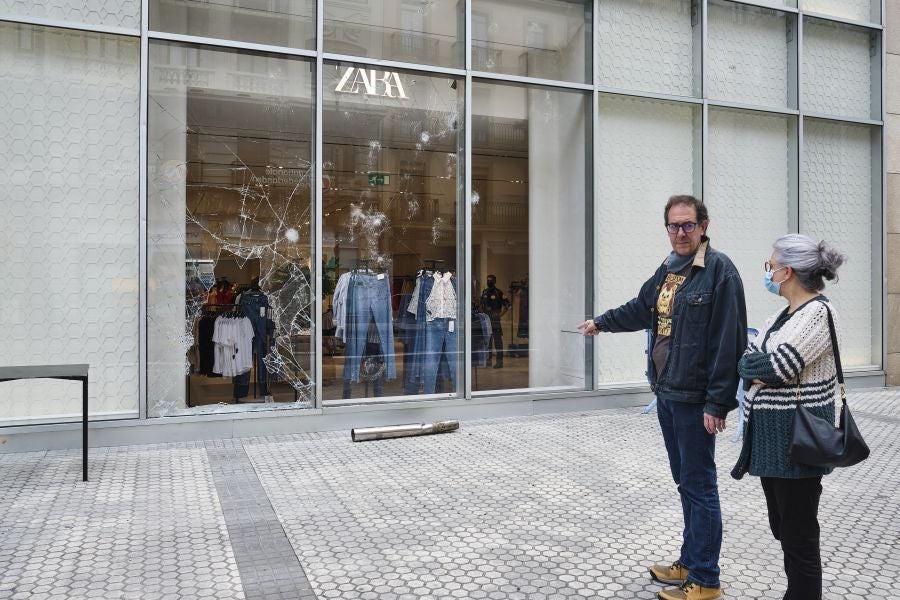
[{"x": 67, "y": 372}]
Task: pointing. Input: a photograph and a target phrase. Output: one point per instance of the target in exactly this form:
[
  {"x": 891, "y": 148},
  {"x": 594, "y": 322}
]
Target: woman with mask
[{"x": 791, "y": 361}]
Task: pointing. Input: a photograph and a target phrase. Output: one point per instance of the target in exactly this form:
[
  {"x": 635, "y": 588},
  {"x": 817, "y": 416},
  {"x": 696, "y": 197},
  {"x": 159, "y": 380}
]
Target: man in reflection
[
  {"x": 494, "y": 304},
  {"x": 694, "y": 307}
]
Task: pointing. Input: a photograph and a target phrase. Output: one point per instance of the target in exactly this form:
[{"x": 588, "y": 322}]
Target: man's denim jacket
[{"x": 709, "y": 332}]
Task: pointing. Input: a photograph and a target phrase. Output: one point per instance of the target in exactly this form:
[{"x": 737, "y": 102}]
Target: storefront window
[
  {"x": 530, "y": 206},
  {"x": 390, "y": 192},
  {"x": 229, "y": 230},
  {"x": 837, "y": 206},
  {"x": 71, "y": 215},
  {"x": 752, "y": 195},
  {"x": 548, "y": 39},
  {"x": 648, "y": 150},
  {"x": 274, "y": 22},
  {"x": 412, "y": 31}
]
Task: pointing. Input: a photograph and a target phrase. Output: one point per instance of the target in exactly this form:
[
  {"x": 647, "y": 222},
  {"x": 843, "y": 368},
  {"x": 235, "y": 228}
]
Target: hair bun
[{"x": 830, "y": 258}]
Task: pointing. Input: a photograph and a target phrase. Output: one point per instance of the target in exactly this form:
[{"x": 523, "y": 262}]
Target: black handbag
[{"x": 816, "y": 441}]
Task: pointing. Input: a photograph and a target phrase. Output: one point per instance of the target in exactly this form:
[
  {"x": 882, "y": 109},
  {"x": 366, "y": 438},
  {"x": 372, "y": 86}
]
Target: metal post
[{"x": 84, "y": 428}]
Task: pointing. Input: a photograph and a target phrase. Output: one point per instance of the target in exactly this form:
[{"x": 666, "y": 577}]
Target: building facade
[{"x": 278, "y": 215}]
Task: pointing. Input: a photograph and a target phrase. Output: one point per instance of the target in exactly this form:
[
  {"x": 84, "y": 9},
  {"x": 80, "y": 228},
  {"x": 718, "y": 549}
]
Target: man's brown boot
[
  {"x": 691, "y": 591},
  {"x": 673, "y": 574}
]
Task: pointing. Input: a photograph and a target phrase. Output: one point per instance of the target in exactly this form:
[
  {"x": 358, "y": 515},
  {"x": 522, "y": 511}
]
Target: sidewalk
[{"x": 574, "y": 505}]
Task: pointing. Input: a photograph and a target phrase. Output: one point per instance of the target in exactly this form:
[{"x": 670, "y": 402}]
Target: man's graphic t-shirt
[{"x": 665, "y": 304}]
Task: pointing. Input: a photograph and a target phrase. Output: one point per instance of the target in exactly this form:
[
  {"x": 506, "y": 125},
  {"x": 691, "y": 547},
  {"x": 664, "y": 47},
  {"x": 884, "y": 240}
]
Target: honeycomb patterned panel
[
  {"x": 837, "y": 207},
  {"x": 749, "y": 194},
  {"x": 748, "y": 56},
  {"x": 646, "y": 151},
  {"x": 70, "y": 205},
  {"x": 859, "y": 10},
  {"x": 837, "y": 67},
  {"x": 646, "y": 46},
  {"x": 111, "y": 13}
]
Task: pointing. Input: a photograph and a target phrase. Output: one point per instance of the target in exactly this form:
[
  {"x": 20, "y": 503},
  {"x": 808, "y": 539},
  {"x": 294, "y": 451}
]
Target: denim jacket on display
[{"x": 709, "y": 332}]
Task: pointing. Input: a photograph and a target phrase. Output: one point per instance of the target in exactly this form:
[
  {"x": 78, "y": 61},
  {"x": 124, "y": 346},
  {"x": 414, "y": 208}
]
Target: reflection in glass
[
  {"x": 549, "y": 39},
  {"x": 749, "y": 54},
  {"x": 530, "y": 190},
  {"x": 751, "y": 171},
  {"x": 229, "y": 230},
  {"x": 70, "y": 211},
  {"x": 648, "y": 150},
  {"x": 838, "y": 207},
  {"x": 390, "y": 188},
  {"x": 289, "y": 23},
  {"x": 413, "y": 31}
]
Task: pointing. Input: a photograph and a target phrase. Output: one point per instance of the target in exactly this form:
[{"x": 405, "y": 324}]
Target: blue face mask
[{"x": 773, "y": 286}]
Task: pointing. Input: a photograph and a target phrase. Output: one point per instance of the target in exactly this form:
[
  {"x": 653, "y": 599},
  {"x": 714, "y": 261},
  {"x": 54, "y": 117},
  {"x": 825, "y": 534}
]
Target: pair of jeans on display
[
  {"x": 692, "y": 460},
  {"x": 433, "y": 348},
  {"x": 254, "y": 303},
  {"x": 368, "y": 301}
]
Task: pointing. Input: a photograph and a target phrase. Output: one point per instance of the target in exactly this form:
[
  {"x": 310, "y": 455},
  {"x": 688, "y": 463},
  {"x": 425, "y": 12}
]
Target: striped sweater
[{"x": 801, "y": 346}]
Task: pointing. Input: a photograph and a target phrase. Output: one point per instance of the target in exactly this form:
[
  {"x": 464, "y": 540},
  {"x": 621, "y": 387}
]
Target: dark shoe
[
  {"x": 691, "y": 591},
  {"x": 673, "y": 574},
  {"x": 498, "y": 366}
]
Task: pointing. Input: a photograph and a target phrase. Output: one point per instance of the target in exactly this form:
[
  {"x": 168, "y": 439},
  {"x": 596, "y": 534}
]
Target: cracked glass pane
[
  {"x": 390, "y": 188},
  {"x": 229, "y": 231}
]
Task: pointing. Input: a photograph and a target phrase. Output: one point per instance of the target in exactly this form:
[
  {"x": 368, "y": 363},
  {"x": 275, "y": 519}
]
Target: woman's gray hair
[{"x": 811, "y": 262}]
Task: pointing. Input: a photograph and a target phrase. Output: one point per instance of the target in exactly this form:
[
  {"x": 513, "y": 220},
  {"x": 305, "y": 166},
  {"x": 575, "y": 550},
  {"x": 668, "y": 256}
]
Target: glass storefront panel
[
  {"x": 230, "y": 246},
  {"x": 413, "y": 31},
  {"x": 858, "y": 10},
  {"x": 838, "y": 63},
  {"x": 391, "y": 183},
  {"x": 752, "y": 195},
  {"x": 71, "y": 215},
  {"x": 121, "y": 13},
  {"x": 648, "y": 150},
  {"x": 548, "y": 39},
  {"x": 530, "y": 201},
  {"x": 750, "y": 55},
  {"x": 289, "y": 23},
  {"x": 650, "y": 46},
  {"x": 837, "y": 207}
]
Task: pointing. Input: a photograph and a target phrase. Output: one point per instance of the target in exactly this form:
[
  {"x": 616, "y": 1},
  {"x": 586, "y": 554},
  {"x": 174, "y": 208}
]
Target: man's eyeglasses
[{"x": 686, "y": 227}]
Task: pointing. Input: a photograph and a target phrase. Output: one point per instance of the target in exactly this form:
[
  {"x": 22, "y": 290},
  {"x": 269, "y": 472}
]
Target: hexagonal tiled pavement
[{"x": 558, "y": 506}]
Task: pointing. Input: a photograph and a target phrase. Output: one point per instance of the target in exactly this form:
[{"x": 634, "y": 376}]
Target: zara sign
[{"x": 371, "y": 83}]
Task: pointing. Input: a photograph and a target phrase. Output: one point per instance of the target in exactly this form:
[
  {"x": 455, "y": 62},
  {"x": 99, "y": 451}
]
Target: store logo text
[{"x": 355, "y": 80}]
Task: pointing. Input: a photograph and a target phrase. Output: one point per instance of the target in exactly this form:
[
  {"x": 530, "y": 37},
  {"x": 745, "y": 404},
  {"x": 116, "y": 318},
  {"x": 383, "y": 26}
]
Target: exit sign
[{"x": 379, "y": 179}]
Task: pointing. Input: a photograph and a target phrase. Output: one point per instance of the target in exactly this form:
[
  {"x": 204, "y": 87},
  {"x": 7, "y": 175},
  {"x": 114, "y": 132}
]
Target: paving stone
[{"x": 572, "y": 505}]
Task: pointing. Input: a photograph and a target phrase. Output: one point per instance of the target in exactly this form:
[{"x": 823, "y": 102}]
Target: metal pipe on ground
[{"x": 386, "y": 432}]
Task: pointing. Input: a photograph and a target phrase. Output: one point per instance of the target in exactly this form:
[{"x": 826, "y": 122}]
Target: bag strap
[{"x": 837, "y": 358}]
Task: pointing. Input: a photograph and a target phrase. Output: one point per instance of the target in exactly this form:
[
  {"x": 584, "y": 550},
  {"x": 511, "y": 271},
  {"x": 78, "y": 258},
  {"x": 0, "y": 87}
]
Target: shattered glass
[{"x": 235, "y": 169}]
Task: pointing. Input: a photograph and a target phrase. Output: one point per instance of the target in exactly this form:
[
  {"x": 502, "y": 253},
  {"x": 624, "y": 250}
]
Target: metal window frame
[{"x": 595, "y": 88}]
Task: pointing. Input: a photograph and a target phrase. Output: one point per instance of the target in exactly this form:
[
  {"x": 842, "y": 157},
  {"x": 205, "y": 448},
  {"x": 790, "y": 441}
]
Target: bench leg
[{"x": 84, "y": 429}]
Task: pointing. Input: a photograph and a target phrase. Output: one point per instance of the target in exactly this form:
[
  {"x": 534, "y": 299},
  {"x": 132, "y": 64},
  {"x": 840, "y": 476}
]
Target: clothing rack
[{"x": 238, "y": 311}]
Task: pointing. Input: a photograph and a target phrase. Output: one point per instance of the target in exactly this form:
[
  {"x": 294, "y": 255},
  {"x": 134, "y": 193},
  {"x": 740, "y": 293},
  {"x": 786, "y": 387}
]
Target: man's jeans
[
  {"x": 692, "y": 453},
  {"x": 440, "y": 343}
]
